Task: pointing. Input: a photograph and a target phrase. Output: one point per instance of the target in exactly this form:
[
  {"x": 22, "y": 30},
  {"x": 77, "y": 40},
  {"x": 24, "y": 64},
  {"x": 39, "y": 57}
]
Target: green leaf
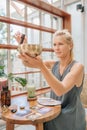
[
  {"x": 2, "y": 67},
  {"x": 11, "y": 77},
  {"x": 2, "y": 74},
  {"x": 22, "y": 81}
]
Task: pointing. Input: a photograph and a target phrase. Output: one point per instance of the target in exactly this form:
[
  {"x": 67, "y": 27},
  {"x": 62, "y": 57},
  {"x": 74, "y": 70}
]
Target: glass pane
[
  {"x": 16, "y": 66},
  {"x": 3, "y": 59},
  {"x": 14, "y": 29},
  {"x": 57, "y": 23},
  {"x": 34, "y": 78},
  {"x": 3, "y": 8},
  {"x": 17, "y": 10},
  {"x": 33, "y": 36},
  {"x": 46, "y": 39},
  {"x": 3, "y": 33},
  {"x": 33, "y": 15},
  {"x": 46, "y": 20},
  {"x": 44, "y": 82}
]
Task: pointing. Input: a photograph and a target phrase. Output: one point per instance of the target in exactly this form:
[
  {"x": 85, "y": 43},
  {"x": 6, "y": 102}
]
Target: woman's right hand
[{"x": 33, "y": 62}]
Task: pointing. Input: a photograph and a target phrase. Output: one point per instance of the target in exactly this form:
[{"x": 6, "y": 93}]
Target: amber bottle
[{"x": 5, "y": 96}]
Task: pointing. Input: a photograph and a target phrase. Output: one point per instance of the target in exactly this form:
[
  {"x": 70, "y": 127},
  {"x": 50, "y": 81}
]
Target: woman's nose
[{"x": 56, "y": 47}]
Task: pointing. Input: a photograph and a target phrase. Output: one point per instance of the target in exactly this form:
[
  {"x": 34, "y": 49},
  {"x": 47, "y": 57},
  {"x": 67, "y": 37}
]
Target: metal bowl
[{"x": 30, "y": 49}]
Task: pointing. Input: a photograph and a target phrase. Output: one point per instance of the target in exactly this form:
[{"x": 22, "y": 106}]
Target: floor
[
  {"x": 25, "y": 127},
  {"x": 22, "y": 128}
]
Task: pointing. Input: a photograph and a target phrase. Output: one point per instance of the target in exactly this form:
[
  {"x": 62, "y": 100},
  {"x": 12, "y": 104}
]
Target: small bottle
[{"x": 5, "y": 97}]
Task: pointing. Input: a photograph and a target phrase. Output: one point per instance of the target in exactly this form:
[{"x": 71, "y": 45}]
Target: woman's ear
[{"x": 71, "y": 46}]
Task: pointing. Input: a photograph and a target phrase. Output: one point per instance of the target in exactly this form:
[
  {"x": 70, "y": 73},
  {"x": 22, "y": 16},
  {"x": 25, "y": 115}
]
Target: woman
[{"x": 65, "y": 80}]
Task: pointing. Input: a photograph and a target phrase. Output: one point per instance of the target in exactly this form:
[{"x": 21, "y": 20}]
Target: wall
[{"x": 85, "y": 37}]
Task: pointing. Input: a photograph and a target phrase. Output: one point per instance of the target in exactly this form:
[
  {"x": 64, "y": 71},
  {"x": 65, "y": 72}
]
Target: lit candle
[{"x": 31, "y": 91}]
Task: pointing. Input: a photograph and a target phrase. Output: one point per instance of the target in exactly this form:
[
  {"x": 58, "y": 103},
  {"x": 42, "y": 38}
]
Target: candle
[{"x": 31, "y": 91}]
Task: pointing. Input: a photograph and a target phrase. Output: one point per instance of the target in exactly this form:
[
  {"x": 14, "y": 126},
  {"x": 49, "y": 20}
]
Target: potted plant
[{"x": 11, "y": 77}]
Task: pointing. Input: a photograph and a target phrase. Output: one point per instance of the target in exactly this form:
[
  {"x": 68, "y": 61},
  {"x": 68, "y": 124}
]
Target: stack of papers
[{"x": 48, "y": 101}]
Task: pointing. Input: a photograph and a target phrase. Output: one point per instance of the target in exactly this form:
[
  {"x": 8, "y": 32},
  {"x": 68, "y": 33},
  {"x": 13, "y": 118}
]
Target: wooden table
[{"x": 11, "y": 119}]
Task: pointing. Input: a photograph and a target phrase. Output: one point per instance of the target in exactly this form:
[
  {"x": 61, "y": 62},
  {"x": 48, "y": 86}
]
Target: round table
[{"x": 12, "y": 119}]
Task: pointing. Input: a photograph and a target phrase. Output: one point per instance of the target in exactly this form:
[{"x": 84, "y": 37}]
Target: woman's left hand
[
  {"x": 33, "y": 62},
  {"x": 18, "y": 36}
]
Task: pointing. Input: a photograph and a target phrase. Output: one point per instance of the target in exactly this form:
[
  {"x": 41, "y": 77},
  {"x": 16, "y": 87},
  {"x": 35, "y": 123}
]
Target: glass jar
[{"x": 31, "y": 89}]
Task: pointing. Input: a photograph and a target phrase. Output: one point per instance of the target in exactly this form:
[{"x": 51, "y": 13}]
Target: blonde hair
[{"x": 67, "y": 36}]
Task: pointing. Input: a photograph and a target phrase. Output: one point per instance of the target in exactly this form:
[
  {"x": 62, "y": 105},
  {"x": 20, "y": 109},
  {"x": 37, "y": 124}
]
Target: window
[{"x": 38, "y": 24}]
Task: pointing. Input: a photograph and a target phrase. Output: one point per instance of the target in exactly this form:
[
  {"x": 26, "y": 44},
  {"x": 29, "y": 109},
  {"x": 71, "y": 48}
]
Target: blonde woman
[{"x": 65, "y": 80}]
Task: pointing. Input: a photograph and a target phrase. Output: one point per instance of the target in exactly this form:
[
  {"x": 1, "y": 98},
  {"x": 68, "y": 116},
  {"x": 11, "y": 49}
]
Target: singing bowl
[{"x": 30, "y": 49}]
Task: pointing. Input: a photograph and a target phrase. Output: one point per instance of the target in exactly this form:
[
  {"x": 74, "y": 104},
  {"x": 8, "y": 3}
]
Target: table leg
[
  {"x": 9, "y": 126},
  {"x": 39, "y": 126}
]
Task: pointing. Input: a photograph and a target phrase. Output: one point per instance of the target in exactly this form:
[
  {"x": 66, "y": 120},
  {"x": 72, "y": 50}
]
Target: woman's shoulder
[{"x": 77, "y": 65}]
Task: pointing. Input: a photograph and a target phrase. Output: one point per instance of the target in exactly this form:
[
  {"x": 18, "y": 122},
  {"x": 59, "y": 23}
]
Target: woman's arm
[
  {"x": 74, "y": 77},
  {"x": 49, "y": 64}
]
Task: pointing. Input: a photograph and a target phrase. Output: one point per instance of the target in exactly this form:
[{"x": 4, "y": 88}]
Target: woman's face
[{"x": 60, "y": 46}]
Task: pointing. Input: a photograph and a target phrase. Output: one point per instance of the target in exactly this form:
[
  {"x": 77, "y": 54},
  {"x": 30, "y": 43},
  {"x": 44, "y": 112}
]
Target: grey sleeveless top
[{"x": 72, "y": 116}]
